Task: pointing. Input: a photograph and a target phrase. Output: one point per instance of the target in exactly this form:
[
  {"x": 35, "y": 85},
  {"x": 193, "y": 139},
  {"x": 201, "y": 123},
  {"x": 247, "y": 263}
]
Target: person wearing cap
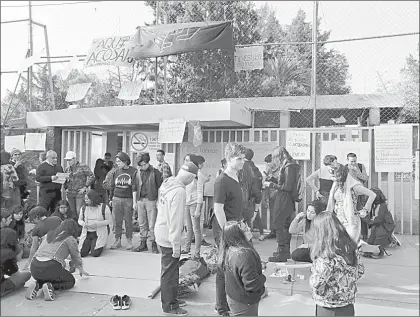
[
  {"x": 22, "y": 172},
  {"x": 148, "y": 182},
  {"x": 123, "y": 194},
  {"x": 46, "y": 173},
  {"x": 79, "y": 181},
  {"x": 168, "y": 229}
]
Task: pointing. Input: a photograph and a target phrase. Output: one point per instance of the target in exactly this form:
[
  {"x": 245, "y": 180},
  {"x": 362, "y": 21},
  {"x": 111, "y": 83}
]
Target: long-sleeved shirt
[
  {"x": 195, "y": 190},
  {"x": 43, "y": 176},
  {"x": 298, "y": 226},
  {"x": 123, "y": 182},
  {"x": 359, "y": 173},
  {"x": 164, "y": 169},
  {"x": 80, "y": 176}
]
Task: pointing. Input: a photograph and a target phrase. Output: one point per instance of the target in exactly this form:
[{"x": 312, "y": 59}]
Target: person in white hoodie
[{"x": 168, "y": 229}]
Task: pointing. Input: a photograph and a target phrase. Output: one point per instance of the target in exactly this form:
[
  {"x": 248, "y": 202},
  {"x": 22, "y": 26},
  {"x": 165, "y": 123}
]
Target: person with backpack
[
  {"x": 287, "y": 181},
  {"x": 95, "y": 218}
]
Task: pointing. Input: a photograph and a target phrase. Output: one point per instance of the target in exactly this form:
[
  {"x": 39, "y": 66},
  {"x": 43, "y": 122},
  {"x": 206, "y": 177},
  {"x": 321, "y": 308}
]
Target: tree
[{"x": 409, "y": 90}]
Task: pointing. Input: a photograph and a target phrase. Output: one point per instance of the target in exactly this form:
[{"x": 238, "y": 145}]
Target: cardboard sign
[
  {"x": 130, "y": 91},
  {"x": 14, "y": 142},
  {"x": 249, "y": 58},
  {"x": 35, "y": 141},
  {"x": 171, "y": 131},
  {"x": 298, "y": 143},
  {"x": 77, "y": 92},
  {"x": 394, "y": 148}
]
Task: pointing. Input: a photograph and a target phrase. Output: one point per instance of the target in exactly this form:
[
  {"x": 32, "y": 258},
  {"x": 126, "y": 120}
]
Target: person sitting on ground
[
  {"x": 63, "y": 211},
  {"x": 95, "y": 218},
  {"x": 48, "y": 266},
  {"x": 302, "y": 223},
  {"x": 18, "y": 224},
  {"x": 43, "y": 225},
  {"x": 242, "y": 268},
  {"x": 9, "y": 249}
]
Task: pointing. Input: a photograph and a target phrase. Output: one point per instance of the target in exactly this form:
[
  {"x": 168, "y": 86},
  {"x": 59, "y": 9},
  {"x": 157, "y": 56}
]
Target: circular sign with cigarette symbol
[{"x": 139, "y": 141}]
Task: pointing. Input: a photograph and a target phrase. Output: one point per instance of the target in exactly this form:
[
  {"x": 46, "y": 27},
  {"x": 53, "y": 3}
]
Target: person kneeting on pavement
[
  {"x": 95, "y": 219},
  {"x": 148, "y": 181},
  {"x": 241, "y": 264},
  {"x": 123, "y": 194},
  {"x": 48, "y": 266},
  {"x": 168, "y": 228}
]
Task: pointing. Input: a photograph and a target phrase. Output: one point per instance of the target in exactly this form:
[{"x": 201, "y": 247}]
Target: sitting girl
[
  {"x": 95, "y": 219},
  {"x": 18, "y": 224},
  {"x": 302, "y": 223},
  {"x": 62, "y": 210}
]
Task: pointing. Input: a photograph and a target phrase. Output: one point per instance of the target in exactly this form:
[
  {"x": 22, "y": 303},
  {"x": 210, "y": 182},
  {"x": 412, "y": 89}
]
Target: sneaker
[
  {"x": 182, "y": 303},
  {"x": 222, "y": 313},
  {"x": 204, "y": 243},
  {"x": 115, "y": 302},
  {"x": 125, "y": 302},
  {"x": 116, "y": 245},
  {"x": 186, "y": 252},
  {"x": 32, "y": 291},
  {"x": 176, "y": 312},
  {"x": 280, "y": 258},
  {"x": 129, "y": 244},
  {"x": 48, "y": 291},
  {"x": 141, "y": 248}
]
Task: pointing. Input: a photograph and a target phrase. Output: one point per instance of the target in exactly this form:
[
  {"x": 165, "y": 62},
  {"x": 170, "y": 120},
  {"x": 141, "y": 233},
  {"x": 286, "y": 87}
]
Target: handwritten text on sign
[
  {"x": 394, "y": 148},
  {"x": 111, "y": 50},
  {"x": 172, "y": 131},
  {"x": 249, "y": 58},
  {"x": 298, "y": 143}
]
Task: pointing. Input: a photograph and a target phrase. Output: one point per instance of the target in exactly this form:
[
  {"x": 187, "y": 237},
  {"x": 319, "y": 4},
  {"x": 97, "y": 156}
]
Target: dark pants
[
  {"x": 89, "y": 245},
  {"x": 123, "y": 211},
  {"x": 221, "y": 299},
  {"x": 169, "y": 280},
  {"x": 340, "y": 311},
  {"x": 52, "y": 272},
  {"x": 302, "y": 255},
  {"x": 14, "y": 282},
  {"x": 282, "y": 233},
  {"x": 241, "y": 309},
  {"x": 49, "y": 198}
]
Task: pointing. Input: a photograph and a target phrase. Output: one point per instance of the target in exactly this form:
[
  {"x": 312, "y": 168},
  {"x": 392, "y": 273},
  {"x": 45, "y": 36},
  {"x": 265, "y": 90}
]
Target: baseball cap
[
  {"x": 70, "y": 155},
  {"x": 190, "y": 167}
]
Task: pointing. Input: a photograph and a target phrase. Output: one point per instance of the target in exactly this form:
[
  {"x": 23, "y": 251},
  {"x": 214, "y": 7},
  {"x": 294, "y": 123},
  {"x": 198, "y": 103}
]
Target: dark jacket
[
  {"x": 382, "y": 226},
  {"x": 251, "y": 188},
  {"x": 8, "y": 252},
  {"x": 22, "y": 173},
  {"x": 244, "y": 277},
  {"x": 153, "y": 183},
  {"x": 100, "y": 171},
  {"x": 43, "y": 176}
]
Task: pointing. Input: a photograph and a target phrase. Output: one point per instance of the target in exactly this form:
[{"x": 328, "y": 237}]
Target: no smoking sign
[{"x": 139, "y": 141}]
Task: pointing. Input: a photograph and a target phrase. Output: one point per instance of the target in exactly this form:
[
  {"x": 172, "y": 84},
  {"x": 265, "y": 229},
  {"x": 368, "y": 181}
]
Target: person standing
[
  {"x": 10, "y": 194},
  {"x": 269, "y": 196},
  {"x": 79, "y": 181},
  {"x": 285, "y": 180},
  {"x": 168, "y": 228},
  {"x": 321, "y": 180},
  {"x": 22, "y": 172},
  {"x": 148, "y": 181},
  {"x": 46, "y": 173},
  {"x": 163, "y": 167},
  {"x": 123, "y": 194},
  {"x": 102, "y": 167},
  {"x": 227, "y": 207}
]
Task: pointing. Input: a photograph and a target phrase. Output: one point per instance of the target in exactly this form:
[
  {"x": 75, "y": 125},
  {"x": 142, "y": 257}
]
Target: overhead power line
[{"x": 49, "y": 4}]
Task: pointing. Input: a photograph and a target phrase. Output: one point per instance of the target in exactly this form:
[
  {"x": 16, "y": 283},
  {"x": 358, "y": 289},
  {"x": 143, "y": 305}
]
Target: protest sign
[
  {"x": 171, "y": 131},
  {"x": 14, "y": 142},
  {"x": 298, "y": 143},
  {"x": 130, "y": 91},
  {"x": 35, "y": 141},
  {"x": 77, "y": 92},
  {"x": 249, "y": 58}
]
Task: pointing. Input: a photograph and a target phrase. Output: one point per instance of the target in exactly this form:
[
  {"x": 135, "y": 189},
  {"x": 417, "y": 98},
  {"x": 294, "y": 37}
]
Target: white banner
[
  {"x": 171, "y": 131},
  {"x": 130, "y": 91},
  {"x": 77, "y": 92},
  {"x": 394, "y": 148},
  {"x": 249, "y": 58},
  {"x": 14, "y": 142},
  {"x": 342, "y": 148},
  {"x": 298, "y": 144},
  {"x": 35, "y": 141},
  {"x": 110, "y": 50}
]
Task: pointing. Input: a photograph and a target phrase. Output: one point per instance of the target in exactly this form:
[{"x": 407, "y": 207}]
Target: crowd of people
[{"x": 114, "y": 196}]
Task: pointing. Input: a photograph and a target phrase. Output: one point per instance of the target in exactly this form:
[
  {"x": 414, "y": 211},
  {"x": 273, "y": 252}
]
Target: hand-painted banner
[
  {"x": 77, "y": 92},
  {"x": 171, "y": 39},
  {"x": 111, "y": 50},
  {"x": 130, "y": 91}
]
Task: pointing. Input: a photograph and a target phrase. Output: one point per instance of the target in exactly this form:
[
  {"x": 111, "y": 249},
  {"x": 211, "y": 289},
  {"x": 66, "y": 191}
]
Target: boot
[
  {"x": 117, "y": 244},
  {"x": 154, "y": 248},
  {"x": 281, "y": 255},
  {"x": 142, "y": 247},
  {"x": 129, "y": 244}
]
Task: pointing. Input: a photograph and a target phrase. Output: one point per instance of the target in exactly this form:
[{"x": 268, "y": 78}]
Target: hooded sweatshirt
[{"x": 170, "y": 216}]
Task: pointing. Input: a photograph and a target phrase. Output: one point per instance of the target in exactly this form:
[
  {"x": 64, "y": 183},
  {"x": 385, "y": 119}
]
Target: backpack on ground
[{"x": 103, "y": 214}]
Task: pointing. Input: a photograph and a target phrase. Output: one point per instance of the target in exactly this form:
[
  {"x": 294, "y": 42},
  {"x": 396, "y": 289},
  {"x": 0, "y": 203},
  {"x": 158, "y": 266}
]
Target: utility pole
[
  {"x": 31, "y": 52},
  {"x": 314, "y": 58},
  {"x": 156, "y": 59}
]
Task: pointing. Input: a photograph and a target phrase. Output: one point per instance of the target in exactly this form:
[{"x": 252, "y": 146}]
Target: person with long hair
[
  {"x": 63, "y": 211},
  {"x": 95, "y": 219},
  {"x": 336, "y": 267},
  {"x": 343, "y": 200},
  {"x": 48, "y": 267},
  {"x": 18, "y": 224},
  {"x": 302, "y": 223},
  {"x": 10, "y": 193},
  {"x": 242, "y": 268},
  {"x": 285, "y": 173}
]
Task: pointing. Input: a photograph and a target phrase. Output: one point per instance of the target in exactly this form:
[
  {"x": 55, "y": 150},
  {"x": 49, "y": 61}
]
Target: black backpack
[{"x": 103, "y": 214}]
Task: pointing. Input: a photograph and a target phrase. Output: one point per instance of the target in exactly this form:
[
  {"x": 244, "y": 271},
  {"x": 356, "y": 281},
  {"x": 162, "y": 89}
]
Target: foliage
[{"x": 409, "y": 89}]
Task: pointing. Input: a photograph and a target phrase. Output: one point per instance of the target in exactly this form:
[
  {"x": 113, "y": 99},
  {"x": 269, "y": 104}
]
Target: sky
[{"x": 72, "y": 27}]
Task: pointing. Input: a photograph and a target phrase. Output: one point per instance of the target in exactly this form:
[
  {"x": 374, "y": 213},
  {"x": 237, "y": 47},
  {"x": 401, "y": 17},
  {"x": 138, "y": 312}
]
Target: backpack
[{"x": 103, "y": 214}]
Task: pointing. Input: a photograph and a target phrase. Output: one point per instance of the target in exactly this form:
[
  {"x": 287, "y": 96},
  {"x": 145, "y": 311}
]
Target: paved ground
[{"x": 389, "y": 287}]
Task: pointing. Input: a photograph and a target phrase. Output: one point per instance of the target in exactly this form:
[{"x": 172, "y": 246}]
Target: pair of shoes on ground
[
  {"x": 47, "y": 289},
  {"x": 177, "y": 311},
  {"x": 117, "y": 302}
]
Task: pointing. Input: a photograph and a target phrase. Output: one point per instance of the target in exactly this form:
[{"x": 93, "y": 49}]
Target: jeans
[
  {"x": 340, "y": 311},
  {"x": 123, "y": 210},
  {"x": 240, "y": 309},
  {"x": 14, "y": 282},
  {"x": 147, "y": 211},
  {"x": 169, "y": 280},
  {"x": 302, "y": 255},
  {"x": 52, "y": 272},
  {"x": 193, "y": 226},
  {"x": 49, "y": 198},
  {"x": 89, "y": 245},
  {"x": 282, "y": 233},
  {"x": 75, "y": 203}
]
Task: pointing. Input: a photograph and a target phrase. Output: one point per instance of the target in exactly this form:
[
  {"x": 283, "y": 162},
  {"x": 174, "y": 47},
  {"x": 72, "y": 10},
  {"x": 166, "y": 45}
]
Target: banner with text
[
  {"x": 77, "y": 92},
  {"x": 130, "y": 91},
  {"x": 35, "y": 141},
  {"x": 14, "y": 142},
  {"x": 249, "y": 58},
  {"x": 298, "y": 143},
  {"x": 394, "y": 148},
  {"x": 112, "y": 50},
  {"x": 171, "y": 131}
]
